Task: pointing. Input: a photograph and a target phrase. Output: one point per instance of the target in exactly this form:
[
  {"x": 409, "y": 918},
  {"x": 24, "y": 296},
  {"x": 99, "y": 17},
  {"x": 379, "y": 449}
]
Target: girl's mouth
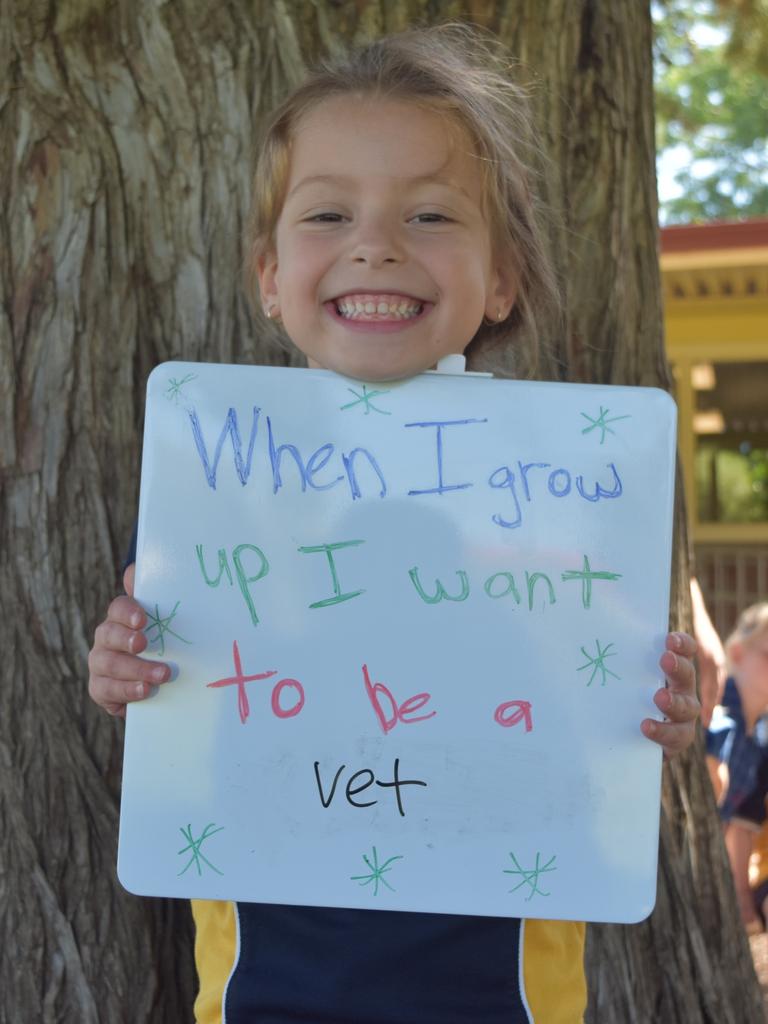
[{"x": 365, "y": 307}]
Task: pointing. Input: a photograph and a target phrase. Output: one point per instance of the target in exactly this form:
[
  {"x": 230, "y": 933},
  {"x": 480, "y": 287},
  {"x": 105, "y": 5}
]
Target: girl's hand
[
  {"x": 677, "y": 701},
  {"x": 117, "y": 675}
]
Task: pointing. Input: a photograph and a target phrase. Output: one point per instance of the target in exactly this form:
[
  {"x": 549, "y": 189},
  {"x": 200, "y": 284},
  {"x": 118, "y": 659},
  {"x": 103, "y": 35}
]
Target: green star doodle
[
  {"x": 163, "y": 626},
  {"x": 173, "y": 391},
  {"x": 195, "y": 844},
  {"x": 598, "y": 663},
  {"x": 601, "y": 423},
  {"x": 377, "y": 872},
  {"x": 365, "y": 400},
  {"x": 530, "y": 878}
]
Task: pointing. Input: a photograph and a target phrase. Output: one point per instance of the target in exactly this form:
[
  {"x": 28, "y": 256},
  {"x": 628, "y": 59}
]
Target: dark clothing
[
  {"x": 381, "y": 967},
  {"x": 746, "y": 757}
]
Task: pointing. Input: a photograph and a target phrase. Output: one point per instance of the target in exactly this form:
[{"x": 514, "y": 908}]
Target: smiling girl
[
  {"x": 393, "y": 224},
  {"x": 383, "y": 262}
]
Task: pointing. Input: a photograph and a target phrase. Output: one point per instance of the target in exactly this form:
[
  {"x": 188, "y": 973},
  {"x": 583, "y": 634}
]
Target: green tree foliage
[{"x": 711, "y": 59}]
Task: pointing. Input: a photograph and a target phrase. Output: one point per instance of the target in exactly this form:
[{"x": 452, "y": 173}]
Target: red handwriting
[
  {"x": 239, "y": 679},
  {"x": 404, "y": 712},
  {"x": 386, "y": 708},
  {"x": 506, "y": 716},
  {"x": 277, "y": 709}
]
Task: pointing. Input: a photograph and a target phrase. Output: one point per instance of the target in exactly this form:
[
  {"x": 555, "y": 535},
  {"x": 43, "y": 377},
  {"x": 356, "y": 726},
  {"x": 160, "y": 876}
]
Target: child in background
[
  {"x": 758, "y": 879},
  {"x": 393, "y": 223},
  {"x": 737, "y": 749}
]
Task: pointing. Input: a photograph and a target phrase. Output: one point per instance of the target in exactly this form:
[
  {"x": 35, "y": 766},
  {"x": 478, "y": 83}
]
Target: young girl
[
  {"x": 737, "y": 750},
  {"x": 393, "y": 224}
]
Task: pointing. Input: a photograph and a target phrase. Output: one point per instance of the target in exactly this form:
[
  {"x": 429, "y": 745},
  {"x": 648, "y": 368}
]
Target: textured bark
[{"x": 124, "y": 177}]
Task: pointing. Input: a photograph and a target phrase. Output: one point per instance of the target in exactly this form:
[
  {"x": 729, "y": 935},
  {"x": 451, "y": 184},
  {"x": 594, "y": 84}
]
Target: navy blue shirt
[
  {"x": 745, "y": 755},
  {"x": 332, "y": 966}
]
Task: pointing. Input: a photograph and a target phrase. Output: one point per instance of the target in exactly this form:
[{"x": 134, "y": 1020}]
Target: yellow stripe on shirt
[
  {"x": 553, "y": 971},
  {"x": 215, "y": 951}
]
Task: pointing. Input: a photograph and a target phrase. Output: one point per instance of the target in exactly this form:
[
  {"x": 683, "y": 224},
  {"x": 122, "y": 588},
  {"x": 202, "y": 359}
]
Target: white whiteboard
[{"x": 294, "y": 525}]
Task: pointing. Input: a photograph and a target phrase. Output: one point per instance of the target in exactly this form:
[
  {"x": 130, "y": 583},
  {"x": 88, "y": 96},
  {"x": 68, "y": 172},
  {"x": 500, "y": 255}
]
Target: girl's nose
[{"x": 377, "y": 246}]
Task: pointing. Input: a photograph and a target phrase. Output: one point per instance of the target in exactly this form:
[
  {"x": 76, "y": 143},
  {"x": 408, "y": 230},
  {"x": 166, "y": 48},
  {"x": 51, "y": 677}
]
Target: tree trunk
[{"x": 124, "y": 181}]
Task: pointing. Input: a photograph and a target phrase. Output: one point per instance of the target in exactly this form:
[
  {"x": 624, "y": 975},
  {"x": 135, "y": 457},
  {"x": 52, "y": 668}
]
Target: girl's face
[
  {"x": 383, "y": 260},
  {"x": 749, "y": 661}
]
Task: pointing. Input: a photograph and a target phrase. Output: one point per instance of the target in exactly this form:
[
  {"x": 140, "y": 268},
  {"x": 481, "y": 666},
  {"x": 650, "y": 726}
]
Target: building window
[{"x": 730, "y": 425}]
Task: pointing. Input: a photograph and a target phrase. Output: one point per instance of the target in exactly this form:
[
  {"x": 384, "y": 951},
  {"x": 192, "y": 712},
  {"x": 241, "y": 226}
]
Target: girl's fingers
[
  {"x": 128, "y": 578},
  {"x": 672, "y": 736},
  {"x": 117, "y": 675},
  {"x": 109, "y": 664},
  {"x": 116, "y": 637},
  {"x": 680, "y": 673},
  {"x": 127, "y": 612},
  {"x": 677, "y": 701},
  {"x": 677, "y": 706},
  {"x": 113, "y": 695},
  {"x": 682, "y": 644}
]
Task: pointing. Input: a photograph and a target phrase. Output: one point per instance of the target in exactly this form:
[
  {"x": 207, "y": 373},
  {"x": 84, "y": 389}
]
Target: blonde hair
[
  {"x": 751, "y": 624},
  {"x": 453, "y": 69}
]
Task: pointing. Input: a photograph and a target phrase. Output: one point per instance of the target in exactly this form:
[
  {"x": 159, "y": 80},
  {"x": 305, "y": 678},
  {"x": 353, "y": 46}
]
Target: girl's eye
[
  {"x": 326, "y": 217},
  {"x": 431, "y": 218}
]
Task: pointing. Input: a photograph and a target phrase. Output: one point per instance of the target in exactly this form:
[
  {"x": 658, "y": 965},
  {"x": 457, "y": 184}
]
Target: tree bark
[{"x": 124, "y": 183}]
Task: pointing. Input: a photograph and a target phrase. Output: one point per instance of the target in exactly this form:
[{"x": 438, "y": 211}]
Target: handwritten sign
[{"x": 416, "y": 627}]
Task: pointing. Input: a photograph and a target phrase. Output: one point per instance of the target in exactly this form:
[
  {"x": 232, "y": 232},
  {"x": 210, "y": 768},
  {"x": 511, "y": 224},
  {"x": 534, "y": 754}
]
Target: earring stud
[{"x": 499, "y": 317}]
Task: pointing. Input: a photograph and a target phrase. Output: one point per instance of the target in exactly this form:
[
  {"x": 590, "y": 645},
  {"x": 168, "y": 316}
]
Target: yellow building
[{"x": 715, "y": 279}]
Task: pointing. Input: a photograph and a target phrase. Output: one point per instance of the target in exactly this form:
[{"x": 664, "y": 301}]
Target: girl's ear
[
  {"x": 266, "y": 271},
  {"x": 503, "y": 292}
]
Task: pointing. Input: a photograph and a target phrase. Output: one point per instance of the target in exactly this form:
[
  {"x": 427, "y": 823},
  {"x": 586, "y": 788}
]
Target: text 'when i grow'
[{"x": 361, "y": 471}]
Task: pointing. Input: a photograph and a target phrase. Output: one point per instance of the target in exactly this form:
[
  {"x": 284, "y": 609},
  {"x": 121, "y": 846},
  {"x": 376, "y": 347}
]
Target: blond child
[
  {"x": 393, "y": 223},
  {"x": 737, "y": 749}
]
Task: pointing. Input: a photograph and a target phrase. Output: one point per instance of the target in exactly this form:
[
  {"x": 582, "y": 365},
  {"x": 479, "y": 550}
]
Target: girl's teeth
[{"x": 396, "y": 310}]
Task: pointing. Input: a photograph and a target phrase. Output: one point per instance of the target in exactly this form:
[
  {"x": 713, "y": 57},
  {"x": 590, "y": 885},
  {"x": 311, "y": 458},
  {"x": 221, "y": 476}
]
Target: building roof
[
  {"x": 743, "y": 234},
  {"x": 725, "y": 259}
]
